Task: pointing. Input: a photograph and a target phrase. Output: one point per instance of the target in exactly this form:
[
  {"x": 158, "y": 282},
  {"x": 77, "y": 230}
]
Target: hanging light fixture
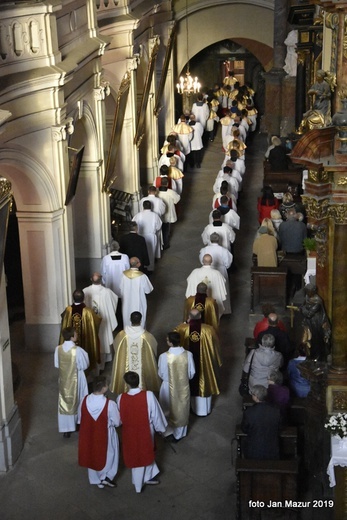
[{"x": 187, "y": 85}]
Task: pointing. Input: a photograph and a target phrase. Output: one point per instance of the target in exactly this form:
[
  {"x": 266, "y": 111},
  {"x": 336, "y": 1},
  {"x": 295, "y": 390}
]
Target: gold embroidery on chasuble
[
  {"x": 194, "y": 336},
  {"x": 68, "y": 398},
  {"x": 200, "y": 307},
  {"x": 77, "y": 325},
  {"x": 179, "y": 389}
]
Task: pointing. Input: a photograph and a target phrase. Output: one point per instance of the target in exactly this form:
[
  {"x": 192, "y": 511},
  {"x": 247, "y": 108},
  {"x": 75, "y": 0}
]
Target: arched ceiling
[{"x": 239, "y": 22}]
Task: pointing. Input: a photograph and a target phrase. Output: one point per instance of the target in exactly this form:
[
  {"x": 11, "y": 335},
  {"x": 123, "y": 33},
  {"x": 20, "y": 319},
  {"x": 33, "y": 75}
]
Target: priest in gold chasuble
[
  {"x": 86, "y": 323},
  {"x": 202, "y": 341},
  {"x": 205, "y": 305},
  {"x": 135, "y": 351}
]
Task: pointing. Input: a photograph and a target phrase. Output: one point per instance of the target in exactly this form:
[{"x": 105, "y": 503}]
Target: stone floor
[{"x": 197, "y": 475}]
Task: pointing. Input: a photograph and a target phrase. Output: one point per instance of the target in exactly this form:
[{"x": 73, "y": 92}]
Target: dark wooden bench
[
  {"x": 264, "y": 482},
  {"x": 288, "y": 442},
  {"x": 121, "y": 203},
  {"x": 268, "y": 285},
  {"x": 279, "y": 180},
  {"x": 296, "y": 411}
]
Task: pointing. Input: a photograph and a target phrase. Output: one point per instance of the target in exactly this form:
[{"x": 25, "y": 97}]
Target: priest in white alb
[
  {"x": 104, "y": 302},
  {"x": 135, "y": 285},
  {"x": 215, "y": 281},
  {"x": 112, "y": 267},
  {"x": 149, "y": 226}
]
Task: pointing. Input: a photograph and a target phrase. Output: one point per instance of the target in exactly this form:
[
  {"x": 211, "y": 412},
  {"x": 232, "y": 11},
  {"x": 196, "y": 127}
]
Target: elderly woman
[{"x": 262, "y": 361}]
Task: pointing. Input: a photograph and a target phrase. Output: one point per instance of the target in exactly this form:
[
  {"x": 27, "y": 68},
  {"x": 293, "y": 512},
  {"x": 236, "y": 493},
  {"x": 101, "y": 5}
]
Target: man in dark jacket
[
  {"x": 262, "y": 423},
  {"x": 133, "y": 244}
]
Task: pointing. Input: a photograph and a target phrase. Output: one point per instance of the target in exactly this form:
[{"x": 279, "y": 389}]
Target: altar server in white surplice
[
  {"x": 134, "y": 287},
  {"x": 149, "y": 226},
  {"x": 71, "y": 361},
  {"x": 112, "y": 267},
  {"x": 216, "y": 283},
  {"x": 175, "y": 367},
  {"x": 158, "y": 205},
  {"x": 221, "y": 260},
  {"x": 104, "y": 303}
]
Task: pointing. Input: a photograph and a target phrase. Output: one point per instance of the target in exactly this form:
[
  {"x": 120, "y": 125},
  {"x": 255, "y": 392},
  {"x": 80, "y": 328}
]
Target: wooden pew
[
  {"x": 261, "y": 482},
  {"x": 288, "y": 442},
  {"x": 268, "y": 285},
  {"x": 296, "y": 411},
  {"x": 280, "y": 180}
]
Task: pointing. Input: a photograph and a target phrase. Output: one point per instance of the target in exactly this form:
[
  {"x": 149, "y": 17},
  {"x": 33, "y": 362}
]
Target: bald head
[
  {"x": 134, "y": 262},
  {"x": 96, "y": 279},
  {"x": 207, "y": 260}
]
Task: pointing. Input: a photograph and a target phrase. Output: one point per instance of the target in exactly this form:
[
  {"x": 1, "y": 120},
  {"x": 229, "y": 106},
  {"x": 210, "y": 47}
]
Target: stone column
[
  {"x": 10, "y": 423},
  {"x": 45, "y": 278},
  {"x": 273, "y": 79},
  {"x": 11, "y": 442}
]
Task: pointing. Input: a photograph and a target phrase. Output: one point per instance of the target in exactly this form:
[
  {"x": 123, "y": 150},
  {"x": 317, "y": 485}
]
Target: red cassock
[
  {"x": 93, "y": 439},
  {"x": 137, "y": 442}
]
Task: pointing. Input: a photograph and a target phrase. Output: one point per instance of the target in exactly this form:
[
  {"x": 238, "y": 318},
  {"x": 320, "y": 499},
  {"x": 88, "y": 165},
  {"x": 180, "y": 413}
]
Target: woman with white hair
[{"x": 262, "y": 361}]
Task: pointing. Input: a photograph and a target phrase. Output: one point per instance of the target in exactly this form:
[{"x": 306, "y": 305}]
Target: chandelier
[{"x": 187, "y": 85}]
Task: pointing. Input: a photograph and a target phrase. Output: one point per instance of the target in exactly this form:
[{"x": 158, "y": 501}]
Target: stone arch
[
  {"x": 33, "y": 186},
  {"x": 244, "y": 21}
]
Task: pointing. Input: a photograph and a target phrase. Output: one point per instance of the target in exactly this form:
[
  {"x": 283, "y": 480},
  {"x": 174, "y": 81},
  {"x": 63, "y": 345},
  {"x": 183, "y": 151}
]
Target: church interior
[{"x": 89, "y": 91}]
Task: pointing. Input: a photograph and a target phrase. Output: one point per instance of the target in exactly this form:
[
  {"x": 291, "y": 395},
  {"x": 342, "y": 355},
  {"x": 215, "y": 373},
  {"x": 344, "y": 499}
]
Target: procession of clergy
[{"x": 186, "y": 376}]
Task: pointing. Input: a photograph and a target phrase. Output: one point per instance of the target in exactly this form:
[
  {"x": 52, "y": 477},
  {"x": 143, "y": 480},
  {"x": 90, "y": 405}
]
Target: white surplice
[
  {"x": 226, "y": 233},
  {"x": 133, "y": 291},
  {"x": 104, "y": 303},
  {"x": 149, "y": 226},
  {"x": 216, "y": 285},
  {"x": 158, "y": 205},
  {"x": 221, "y": 260},
  {"x": 112, "y": 267}
]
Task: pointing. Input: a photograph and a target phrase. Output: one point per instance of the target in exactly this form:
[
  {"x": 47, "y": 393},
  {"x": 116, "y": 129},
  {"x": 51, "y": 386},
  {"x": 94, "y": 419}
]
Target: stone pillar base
[
  {"x": 11, "y": 442},
  {"x": 42, "y": 338}
]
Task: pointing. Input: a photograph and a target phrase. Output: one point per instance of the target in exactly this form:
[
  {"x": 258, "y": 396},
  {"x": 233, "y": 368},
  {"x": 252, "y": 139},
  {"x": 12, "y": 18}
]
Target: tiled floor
[{"x": 197, "y": 474}]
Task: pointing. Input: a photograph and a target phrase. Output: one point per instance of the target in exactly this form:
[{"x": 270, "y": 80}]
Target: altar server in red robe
[
  {"x": 98, "y": 448},
  {"x": 141, "y": 416}
]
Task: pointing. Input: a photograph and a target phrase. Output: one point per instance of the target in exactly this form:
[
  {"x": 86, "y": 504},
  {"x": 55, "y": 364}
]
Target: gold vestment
[
  {"x": 210, "y": 311},
  {"x": 179, "y": 389},
  {"x": 138, "y": 356},
  {"x": 88, "y": 338},
  {"x": 210, "y": 357},
  {"x": 68, "y": 395}
]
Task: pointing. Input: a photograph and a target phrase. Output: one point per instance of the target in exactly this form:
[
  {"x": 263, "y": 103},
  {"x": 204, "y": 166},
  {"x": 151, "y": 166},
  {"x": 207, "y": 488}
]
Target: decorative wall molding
[
  {"x": 61, "y": 132},
  {"x": 316, "y": 209}
]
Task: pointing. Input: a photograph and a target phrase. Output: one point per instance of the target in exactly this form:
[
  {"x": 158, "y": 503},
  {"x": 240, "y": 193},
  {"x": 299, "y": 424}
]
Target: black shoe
[
  {"x": 108, "y": 482},
  {"x": 66, "y": 435}
]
